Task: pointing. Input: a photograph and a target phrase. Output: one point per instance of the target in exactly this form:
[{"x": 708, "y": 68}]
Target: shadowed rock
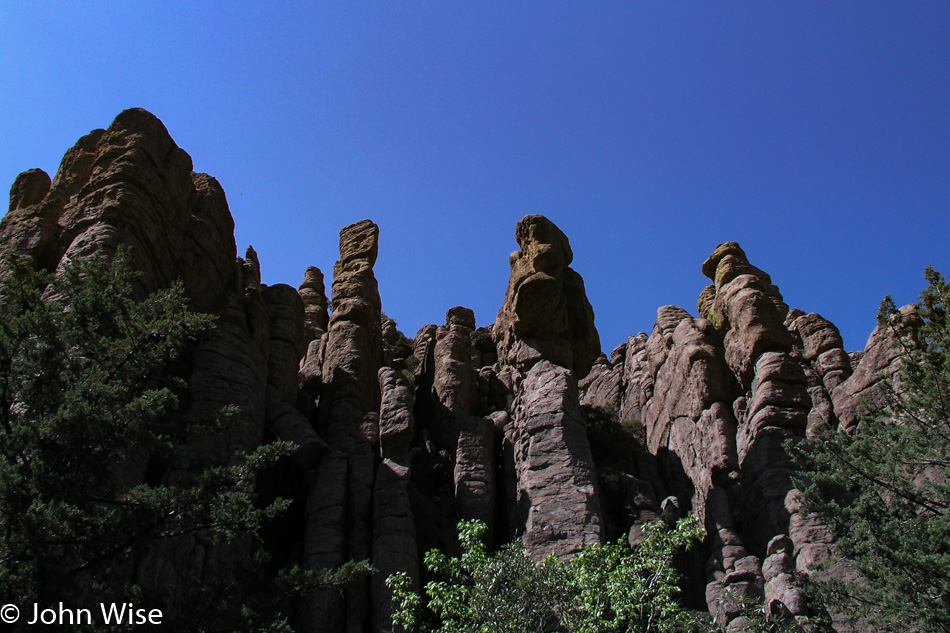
[
  {"x": 130, "y": 186},
  {"x": 349, "y": 411},
  {"x": 491, "y": 429}
]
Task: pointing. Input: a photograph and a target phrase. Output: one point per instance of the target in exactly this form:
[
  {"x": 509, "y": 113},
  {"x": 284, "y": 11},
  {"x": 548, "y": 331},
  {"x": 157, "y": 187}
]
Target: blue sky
[{"x": 815, "y": 134}]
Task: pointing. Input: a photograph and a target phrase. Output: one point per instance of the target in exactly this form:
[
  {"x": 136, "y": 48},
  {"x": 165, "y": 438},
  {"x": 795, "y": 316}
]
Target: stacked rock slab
[
  {"x": 678, "y": 384},
  {"x": 820, "y": 351},
  {"x": 454, "y": 381},
  {"x": 394, "y": 527},
  {"x": 718, "y": 395},
  {"x": 773, "y": 404},
  {"x": 469, "y": 437},
  {"x": 546, "y": 313},
  {"x": 861, "y": 392},
  {"x": 546, "y": 340},
  {"x": 285, "y": 315}
]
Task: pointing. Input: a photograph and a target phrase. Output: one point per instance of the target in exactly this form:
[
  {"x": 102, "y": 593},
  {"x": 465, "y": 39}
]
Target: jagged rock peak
[
  {"x": 29, "y": 188},
  {"x": 460, "y": 316},
  {"x": 721, "y": 251},
  {"x": 745, "y": 306},
  {"x": 359, "y": 247},
  {"x": 544, "y": 244},
  {"x": 313, "y": 292},
  {"x": 546, "y": 314},
  {"x": 128, "y": 186}
]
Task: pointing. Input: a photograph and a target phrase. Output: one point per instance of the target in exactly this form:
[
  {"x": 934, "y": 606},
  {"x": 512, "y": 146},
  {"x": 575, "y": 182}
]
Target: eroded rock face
[
  {"x": 603, "y": 385},
  {"x": 489, "y": 424},
  {"x": 546, "y": 314},
  {"x": 313, "y": 293},
  {"x": 879, "y": 362},
  {"x": 130, "y": 186},
  {"x": 546, "y": 340},
  {"x": 394, "y": 525},
  {"x": 747, "y": 308},
  {"x": 349, "y": 418},
  {"x": 455, "y": 383},
  {"x": 557, "y": 490},
  {"x": 719, "y": 396}
]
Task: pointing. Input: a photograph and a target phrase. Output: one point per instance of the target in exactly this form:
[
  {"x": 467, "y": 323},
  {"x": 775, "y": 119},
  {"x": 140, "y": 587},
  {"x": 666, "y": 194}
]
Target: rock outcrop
[
  {"x": 492, "y": 423},
  {"x": 349, "y": 419},
  {"x": 546, "y": 313},
  {"x": 557, "y": 495},
  {"x": 131, "y": 187},
  {"x": 546, "y": 340},
  {"x": 394, "y": 527}
]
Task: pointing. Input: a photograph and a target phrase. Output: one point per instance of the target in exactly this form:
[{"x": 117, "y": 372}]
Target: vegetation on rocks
[
  {"x": 885, "y": 489},
  {"x": 91, "y": 431},
  {"x": 604, "y": 588}
]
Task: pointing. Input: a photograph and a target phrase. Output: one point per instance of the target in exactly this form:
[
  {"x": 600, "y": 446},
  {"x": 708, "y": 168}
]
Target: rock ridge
[{"x": 398, "y": 440}]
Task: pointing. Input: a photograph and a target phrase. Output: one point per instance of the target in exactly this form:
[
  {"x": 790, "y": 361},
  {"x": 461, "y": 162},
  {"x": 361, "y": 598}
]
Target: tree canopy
[
  {"x": 885, "y": 489},
  {"x": 91, "y": 414},
  {"x": 604, "y": 588}
]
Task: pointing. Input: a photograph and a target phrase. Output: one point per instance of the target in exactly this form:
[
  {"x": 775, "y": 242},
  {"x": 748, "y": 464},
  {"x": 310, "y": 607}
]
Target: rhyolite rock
[
  {"x": 546, "y": 314},
  {"x": 349, "y": 417},
  {"x": 546, "y": 340},
  {"x": 557, "y": 498},
  {"x": 487, "y": 423},
  {"x": 861, "y": 392},
  {"x": 394, "y": 546},
  {"x": 131, "y": 187},
  {"x": 313, "y": 293}
]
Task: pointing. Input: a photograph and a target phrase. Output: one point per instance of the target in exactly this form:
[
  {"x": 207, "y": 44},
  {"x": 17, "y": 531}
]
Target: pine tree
[
  {"x": 885, "y": 489},
  {"x": 89, "y": 393}
]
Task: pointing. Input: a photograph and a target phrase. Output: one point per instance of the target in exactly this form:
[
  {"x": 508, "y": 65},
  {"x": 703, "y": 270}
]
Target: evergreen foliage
[
  {"x": 88, "y": 402},
  {"x": 603, "y": 589},
  {"x": 885, "y": 490}
]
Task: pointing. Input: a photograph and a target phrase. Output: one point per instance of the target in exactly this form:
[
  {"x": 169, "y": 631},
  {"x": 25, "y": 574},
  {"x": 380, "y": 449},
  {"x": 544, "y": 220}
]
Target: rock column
[
  {"x": 339, "y": 505},
  {"x": 546, "y": 341}
]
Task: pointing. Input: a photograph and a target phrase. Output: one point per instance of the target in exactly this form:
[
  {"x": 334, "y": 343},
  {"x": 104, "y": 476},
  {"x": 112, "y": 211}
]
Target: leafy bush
[
  {"x": 482, "y": 340},
  {"x": 613, "y": 442},
  {"x": 604, "y": 588},
  {"x": 401, "y": 354}
]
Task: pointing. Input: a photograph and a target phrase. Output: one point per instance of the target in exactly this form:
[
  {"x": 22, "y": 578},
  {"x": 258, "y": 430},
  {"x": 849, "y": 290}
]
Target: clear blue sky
[{"x": 816, "y": 134}]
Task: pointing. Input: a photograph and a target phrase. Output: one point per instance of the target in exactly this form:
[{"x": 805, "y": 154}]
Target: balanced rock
[{"x": 546, "y": 314}]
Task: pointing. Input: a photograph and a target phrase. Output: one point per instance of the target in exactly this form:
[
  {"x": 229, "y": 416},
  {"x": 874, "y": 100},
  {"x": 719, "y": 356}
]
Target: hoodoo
[{"x": 395, "y": 445}]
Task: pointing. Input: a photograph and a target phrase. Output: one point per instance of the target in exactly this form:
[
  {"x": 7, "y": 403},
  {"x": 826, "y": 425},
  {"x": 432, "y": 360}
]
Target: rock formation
[
  {"x": 340, "y": 501},
  {"x": 494, "y": 423},
  {"x": 131, "y": 187},
  {"x": 544, "y": 330},
  {"x": 546, "y": 313}
]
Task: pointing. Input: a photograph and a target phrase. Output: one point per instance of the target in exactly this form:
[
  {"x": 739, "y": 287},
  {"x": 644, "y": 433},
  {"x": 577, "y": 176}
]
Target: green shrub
[
  {"x": 482, "y": 340},
  {"x": 604, "y": 588}
]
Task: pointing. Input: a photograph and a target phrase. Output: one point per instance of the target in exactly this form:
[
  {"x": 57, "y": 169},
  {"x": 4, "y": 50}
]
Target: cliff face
[{"x": 493, "y": 423}]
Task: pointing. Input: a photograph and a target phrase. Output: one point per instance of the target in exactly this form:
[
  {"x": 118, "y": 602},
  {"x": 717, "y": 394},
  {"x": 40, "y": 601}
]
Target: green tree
[
  {"x": 88, "y": 395},
  {"x": 603, "y": 589},
  {"x": 885, "y": 489}
]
